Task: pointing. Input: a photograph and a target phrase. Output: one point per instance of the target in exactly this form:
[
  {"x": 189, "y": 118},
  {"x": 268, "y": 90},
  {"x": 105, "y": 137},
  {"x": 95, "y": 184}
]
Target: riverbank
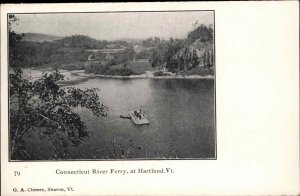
[
  {"x": 148, "y": 74},
  {"x": 75, "y": 76}
]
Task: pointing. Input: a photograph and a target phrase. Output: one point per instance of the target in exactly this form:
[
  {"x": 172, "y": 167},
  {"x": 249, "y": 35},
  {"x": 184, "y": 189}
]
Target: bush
[
  {"x": 202, "y": 71},
  {"x": 97, "y": 68},
  {"x": 119, "y": 71},
  {"x": 160, "y": 73}
]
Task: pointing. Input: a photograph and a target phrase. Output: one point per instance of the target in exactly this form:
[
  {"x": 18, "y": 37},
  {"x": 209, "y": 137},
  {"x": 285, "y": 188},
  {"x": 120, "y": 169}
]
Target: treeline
[
  {"x": 114, "y": 58},
  {"x": 105, "y": 69},
  {"x": 35, "y": 54},
  {"x": 86, "y": 42},
  {"x": 151, "y": 42},
  {"x": 163, "y": 54},
  {"x": 66, "y": 51},
  {"x": 174, "y": 54}
]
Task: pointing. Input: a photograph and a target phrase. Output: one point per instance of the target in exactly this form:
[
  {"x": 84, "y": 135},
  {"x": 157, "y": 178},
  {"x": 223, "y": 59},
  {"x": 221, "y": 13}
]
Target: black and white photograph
[
  {"x": 150, "y": 98},
  {"x": 112, "y": 86}
]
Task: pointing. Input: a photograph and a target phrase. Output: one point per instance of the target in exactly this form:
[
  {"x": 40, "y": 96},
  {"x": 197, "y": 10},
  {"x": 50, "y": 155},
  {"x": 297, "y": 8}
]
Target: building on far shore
[
  {"x": 91, "y": 57},
  {"x": 107, "y": 50}
]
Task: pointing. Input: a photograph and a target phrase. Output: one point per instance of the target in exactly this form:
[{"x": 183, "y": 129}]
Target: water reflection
[{"x": 181, "y": 114}]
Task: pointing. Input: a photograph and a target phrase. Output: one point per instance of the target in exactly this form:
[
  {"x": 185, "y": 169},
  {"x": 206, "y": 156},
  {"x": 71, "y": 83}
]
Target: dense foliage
[
  {"x": 202, "y": 32},
  {"x": 15, "y": 53},
  {"x": 163, "y": 54},
  {"x": 44, "y": 108},
  {"x": 69, "y": 50},
  {"x": 49, "y": 53},
  {"x": 151, "y": 42},
  {"x": 123, "y": 57},
  {"x": 98, "y": 68},
  {"x": 181, "y": 54},
  {"x": 72, "y": 52},
  {"x": 42, "y": 105}
]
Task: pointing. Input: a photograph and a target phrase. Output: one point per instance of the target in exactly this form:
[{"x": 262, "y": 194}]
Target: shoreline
[
  {"x": 156, "y": 77},
  {"x": 147, "y": 75},
  {"x": 75, "y": 76}
]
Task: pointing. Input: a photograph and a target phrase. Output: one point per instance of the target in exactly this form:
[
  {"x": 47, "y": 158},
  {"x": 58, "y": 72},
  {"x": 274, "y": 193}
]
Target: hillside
[
  {"x": 35, "y": 37},
  {"x": 192, "y": 55},
  {"x": 200, "y": 47},
  {"x": 68, "y": 51}
]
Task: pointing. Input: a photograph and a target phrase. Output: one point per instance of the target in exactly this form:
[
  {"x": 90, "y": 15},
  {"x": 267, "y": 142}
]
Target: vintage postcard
[
  {"x": 91, "y": 86},
  {"x": 150, "y": 98}
]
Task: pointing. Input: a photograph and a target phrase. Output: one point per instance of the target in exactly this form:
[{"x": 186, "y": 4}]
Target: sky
[{"x": 112, "y": 26}]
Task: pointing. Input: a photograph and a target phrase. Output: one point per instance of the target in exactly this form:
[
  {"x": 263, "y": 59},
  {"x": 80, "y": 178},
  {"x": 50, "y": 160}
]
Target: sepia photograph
[{"x": 112, "y": 86}]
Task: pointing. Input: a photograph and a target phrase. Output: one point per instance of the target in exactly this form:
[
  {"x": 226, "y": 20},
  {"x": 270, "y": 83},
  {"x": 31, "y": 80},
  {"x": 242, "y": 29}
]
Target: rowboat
[
  {"x": 139, "y": 121},
  {"x": 123, "y": 116}
]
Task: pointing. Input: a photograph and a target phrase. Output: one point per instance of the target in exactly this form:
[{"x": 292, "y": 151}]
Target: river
[{"x": 180, "y": 111}]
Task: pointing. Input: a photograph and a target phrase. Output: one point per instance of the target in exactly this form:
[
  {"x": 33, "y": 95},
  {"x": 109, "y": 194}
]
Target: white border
[{"x": 257, "y": 50}]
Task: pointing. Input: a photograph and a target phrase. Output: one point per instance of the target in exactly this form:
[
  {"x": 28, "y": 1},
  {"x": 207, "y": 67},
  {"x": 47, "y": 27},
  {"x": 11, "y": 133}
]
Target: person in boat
[{"x": 138, "y": 114}]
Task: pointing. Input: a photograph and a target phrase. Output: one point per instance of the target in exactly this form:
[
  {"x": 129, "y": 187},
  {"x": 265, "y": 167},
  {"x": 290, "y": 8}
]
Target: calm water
[{"x": 180, "y": 111}]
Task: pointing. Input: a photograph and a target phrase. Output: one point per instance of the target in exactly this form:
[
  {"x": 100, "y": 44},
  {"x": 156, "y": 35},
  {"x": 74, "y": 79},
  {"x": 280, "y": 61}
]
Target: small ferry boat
[{"x": 138, "y": 118}]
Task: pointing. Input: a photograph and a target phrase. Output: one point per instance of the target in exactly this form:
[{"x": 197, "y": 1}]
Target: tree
[
  {"x": 15, "y": 56},
  {"x": 125, "y": 56},
  {"x": 194, "y": 59},
  {"x": 44, "y": 107},
  {"x": 202, "y": 32},
  {"x": 165, "y": 54}
]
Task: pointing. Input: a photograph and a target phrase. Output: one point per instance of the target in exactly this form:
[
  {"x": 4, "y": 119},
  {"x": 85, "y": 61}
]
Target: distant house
[
  {"x": 111, "y": 46},
  {"x": 139, "y": 49},
  {"x": 107, "y": 50},
  {"x": 91, "y": 57},
  {"x": 112, "y": 51}
]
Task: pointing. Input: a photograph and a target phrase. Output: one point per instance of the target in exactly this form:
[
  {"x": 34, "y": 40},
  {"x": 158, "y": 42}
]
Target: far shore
[
  {"x": 75, "y": 76},
  {"x": 156, "y": 77}
]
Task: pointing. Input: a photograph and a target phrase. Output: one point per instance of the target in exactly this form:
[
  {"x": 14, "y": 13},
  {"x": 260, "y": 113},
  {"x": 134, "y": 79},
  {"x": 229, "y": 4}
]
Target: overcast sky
[{"x": 113, "y": 26}]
